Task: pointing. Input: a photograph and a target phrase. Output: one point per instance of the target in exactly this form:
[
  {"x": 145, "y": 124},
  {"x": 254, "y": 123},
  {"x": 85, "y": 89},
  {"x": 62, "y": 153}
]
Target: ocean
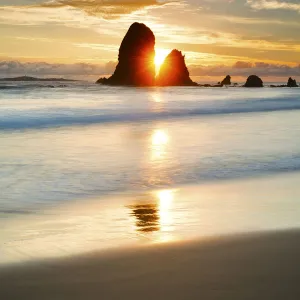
[{"x": 87, "y": 167}]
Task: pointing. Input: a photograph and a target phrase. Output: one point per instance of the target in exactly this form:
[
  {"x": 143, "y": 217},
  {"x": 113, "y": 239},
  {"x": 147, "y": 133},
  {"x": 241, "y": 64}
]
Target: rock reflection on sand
[
  {"x": 147, "y": 217},
  {"x": 153, "y": 214}
]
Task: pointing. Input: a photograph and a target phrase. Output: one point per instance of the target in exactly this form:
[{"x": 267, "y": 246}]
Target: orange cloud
[
  {"x": 107, "y": 9},
  {"x": 273, "y": 4}
]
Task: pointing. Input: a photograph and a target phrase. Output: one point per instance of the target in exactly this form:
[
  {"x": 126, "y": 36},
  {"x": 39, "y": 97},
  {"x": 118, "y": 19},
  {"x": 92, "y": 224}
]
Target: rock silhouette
[
  {"x": 173, "y": 71},
  {"x": 278, "y": 86},
  {"x": 136, "y": 59},
  {"x": 226, "y": 80},
  {"x": 254, "y": 81},
  {"x": 292, "y": 83}
]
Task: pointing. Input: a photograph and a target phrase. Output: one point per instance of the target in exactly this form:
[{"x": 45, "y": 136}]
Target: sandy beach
[{"x": 252, "y": 266}]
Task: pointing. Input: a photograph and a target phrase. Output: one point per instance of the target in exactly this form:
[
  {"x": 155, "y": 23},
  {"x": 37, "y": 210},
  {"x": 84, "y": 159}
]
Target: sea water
[{"x": 76, "y": 144}]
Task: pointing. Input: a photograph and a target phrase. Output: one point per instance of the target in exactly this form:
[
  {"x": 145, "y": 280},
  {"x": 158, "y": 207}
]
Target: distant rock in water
[
  {"x": 292, "y": 83},
  {"x": 173, "y": 71},
  {"x": 278, "y": 86},
  {"x": 102, "y": 80},
  {"x": 136, "y": 59},
  {"x": 226, "y": 80},
  {"x": 254, "y": 81}
]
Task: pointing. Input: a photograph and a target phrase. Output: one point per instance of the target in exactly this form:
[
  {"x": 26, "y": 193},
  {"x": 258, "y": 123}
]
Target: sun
[{"x": 160, "y": 55}]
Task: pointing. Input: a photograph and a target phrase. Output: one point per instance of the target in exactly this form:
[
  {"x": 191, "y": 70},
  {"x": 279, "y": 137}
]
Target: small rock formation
[
  {"x": 292, "y": 83},
  {"x": 207, "y": 85},
  {"x": 136, "y": 59},
  {"x": 278, "y": 86},
  {"x": 226, "y": 80},
  {"x": 102, "y": 80},
  {"x": 254, "y": 81},
  {"x": 173, "y": 71}
]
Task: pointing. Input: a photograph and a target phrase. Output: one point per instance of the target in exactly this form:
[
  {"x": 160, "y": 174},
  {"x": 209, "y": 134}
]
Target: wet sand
[
  {"x": 141, "y": 219},
  {"x": 251, "y": 266}
]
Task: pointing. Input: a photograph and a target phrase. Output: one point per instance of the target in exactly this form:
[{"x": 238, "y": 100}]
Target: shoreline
[
  {"x": 157, "y": 217},
  {"x": 244, "y": 266}
]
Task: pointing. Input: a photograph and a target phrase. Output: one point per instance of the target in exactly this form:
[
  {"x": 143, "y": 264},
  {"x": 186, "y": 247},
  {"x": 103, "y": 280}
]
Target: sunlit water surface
[{"x": 86, "y": 167}]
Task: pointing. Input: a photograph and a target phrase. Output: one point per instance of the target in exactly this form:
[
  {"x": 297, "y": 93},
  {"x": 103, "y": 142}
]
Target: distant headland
[
  {"x": 28, "y": 78},
  {"x": 136, "y": 65}
]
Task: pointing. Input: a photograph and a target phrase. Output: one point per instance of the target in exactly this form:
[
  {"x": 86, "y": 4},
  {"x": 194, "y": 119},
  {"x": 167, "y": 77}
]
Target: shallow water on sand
[
  {"x": 141, "y": 219},
  {"x": 89, "y": 167}
]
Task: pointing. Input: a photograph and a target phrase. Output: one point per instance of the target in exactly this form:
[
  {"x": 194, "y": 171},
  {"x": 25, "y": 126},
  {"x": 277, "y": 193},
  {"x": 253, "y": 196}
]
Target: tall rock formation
[
  {"x": 136, "y": 59},
  {"x": 254, "y": 81},
  {"x": 292, "y": 82},
  {"x": 173, "y": 71}
]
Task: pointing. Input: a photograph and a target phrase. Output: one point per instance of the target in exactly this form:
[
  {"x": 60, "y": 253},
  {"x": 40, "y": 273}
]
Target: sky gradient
[{"x": 80, "y": 38}]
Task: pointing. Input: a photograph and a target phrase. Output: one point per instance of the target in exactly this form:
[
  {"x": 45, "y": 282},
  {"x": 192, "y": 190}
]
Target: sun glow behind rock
[{"x": 160, "y": 55}]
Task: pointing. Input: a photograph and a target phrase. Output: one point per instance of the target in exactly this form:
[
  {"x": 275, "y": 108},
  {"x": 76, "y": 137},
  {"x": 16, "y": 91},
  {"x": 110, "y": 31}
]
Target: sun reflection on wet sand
[
  {"x": 152, "y": 211},
  {"x": 166, "y": 199}
]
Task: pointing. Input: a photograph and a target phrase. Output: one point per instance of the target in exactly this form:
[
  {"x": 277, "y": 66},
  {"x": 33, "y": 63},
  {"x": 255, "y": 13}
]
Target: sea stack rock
[
  {"x": 292, "y": 83},
  {"x": 136, "y": 59},
  {"x": 173, "y": 71},
  {"x": 254, "y": 81},
  {"x": 226, "y": 80}
]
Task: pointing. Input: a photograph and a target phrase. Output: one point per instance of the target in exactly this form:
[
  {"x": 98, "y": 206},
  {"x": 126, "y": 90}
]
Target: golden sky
[{"x": 82, "y": 37}]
